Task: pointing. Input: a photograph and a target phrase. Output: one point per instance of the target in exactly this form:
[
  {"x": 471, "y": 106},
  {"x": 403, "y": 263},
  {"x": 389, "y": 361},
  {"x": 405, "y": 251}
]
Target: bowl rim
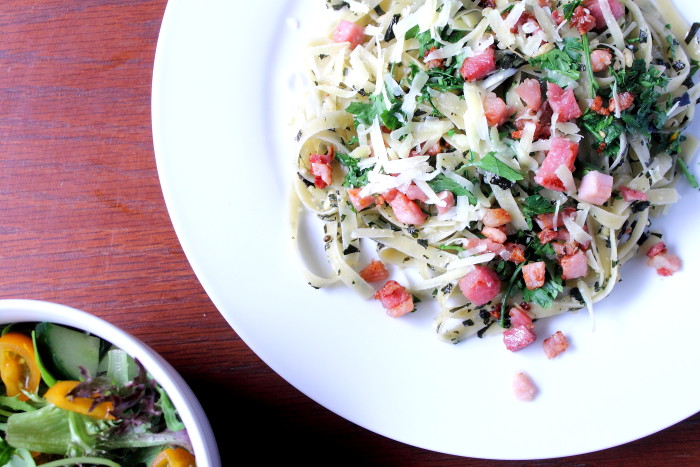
[{"x": 183, "y": 398}]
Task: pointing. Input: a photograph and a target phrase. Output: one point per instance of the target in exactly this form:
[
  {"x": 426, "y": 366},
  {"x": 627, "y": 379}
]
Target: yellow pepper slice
[
  {"x": 174, "y": 457},
  {"x": 18, "y": 368},
  {"x": 58, "y": 396}
]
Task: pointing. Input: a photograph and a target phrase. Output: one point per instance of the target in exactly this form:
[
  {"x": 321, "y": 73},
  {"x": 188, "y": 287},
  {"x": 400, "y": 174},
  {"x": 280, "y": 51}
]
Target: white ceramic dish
[
  {"x": 222, "y": 88},
  {"x": 186, "y": 403}
]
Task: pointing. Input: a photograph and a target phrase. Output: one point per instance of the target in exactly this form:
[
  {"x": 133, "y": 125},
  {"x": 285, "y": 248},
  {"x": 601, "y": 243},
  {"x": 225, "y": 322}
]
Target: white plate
[{"x": 221, "y": 80}]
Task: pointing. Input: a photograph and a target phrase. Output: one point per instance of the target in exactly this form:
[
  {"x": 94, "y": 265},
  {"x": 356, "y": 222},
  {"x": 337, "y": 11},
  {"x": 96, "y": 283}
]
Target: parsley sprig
[
  {"x": 490, "y": 163},
  {"x": 647, "y": 116},
  {"x": 444, "y": 183},
  {"x": 355, "y": 176},
  {"x": 569, "y": 8},
  {"x": 565, "y": 61},
  {"x": 366, "y": 112},
  {"x": 534, "y": 251},
  {"x": 534, "y": 205}
]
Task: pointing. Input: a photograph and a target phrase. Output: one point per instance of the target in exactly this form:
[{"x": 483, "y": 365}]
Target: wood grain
[{"x": 83, "y": 223}]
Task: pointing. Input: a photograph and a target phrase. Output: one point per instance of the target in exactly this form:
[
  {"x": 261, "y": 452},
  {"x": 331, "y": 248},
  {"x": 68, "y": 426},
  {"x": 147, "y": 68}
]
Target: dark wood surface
[{"x": 83, "y": 223}]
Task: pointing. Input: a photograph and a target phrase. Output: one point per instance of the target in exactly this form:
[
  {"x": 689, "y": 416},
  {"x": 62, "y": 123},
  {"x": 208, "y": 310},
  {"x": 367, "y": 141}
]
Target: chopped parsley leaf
[
  {"x": 443, "y": 183},
  {"x": 366, "y": 112},
  {"x": 355, "y": 177},
  {"x": 564, "y": 61},
  {"x": 544, "y": 296},
  {"x": 643, "y": 119},
  {"x": 534, "y": 205},
  {"x": 491, "y": 163},
  {"x": 569, "y": 8}
]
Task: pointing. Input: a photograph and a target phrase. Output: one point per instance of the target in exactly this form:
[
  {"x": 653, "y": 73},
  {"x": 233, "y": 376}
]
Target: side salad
[{"x": 71, "y": 398}]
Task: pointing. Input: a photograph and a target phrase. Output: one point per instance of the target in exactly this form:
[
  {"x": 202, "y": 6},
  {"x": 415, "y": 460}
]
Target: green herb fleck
[{"x": 690, "y": 177}]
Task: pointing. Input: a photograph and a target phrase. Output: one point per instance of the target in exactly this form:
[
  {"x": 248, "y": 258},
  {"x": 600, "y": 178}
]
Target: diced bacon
[
  {"x": 563, "y": 234},
  {"x": 598, "y": 107},
  {"x": 401, "y": 309},
  {"x": 585, "y": 245},
  {"x": 555, "y": 345},
  {"x": 323, "y": 174},
  {"x": 392, "y": 294},
  {"x": 542, "y": 122},
  {"x": 582, "y": 20},
  {"x": 629, "y": 195},
  {"x": 375, "y": 271},
  {"x": 563, "y": 102},
  {"x": 548, "y": 221},
  {"x": 525, "y": 18},
  {"x": 624, "y": 101},
  {"x": 665, "y": 263},
  {"x": 523, "y": 387},
  {"x": 561, "y": 152},
  {"x": 360, "y": 202},
  {"x": 321, "y": 168},
  {"x": 494, "y": 234},
  {"x": 560, "y": 249},
  {"x": 567, "y": 248},
  {"x": 516, "y": 252},
  {"x": 547, "y": 235},
  {"x": 478, "y": 66},
  {"x": 529, "y": 91},
  {"x": 595, "y": 187},
  {"x": 574, "y": 266},
  {"x": 347, "y": 31},
  {"x": 558, "y": 17},
  {"x": 435, "y": 63},
  {"x": 593, "y": 6},
  {"x": 405, "y": 210},
  {"x": 518, "y": 337},
  {"x": 495, "y": 217},
  {"x": 563, "y": 245},
  {"x": 496, "y": 110},
  {"x": 481, "y": 285},
  {"x": 322, "y": 158},
  {"x": 519, "y": 317},
  {"x": 533, "y": 274},
  {"x": 449, "y": 198},
  {"x": 658, "y": 248},
  {"x": 395, "y": 299},
  {"x": 433, "y": 150},
  {"x": 484, "y": 244},
  {"x": 413, "y": 192},
  {"x": 390, "y": 195},
  {"x": 600, "y": 60},
  {"x": 488, "y": 3}
]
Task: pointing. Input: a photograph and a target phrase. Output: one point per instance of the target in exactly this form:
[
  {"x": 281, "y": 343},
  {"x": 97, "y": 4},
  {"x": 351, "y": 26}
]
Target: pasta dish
[{"x": 501, "y": 158}]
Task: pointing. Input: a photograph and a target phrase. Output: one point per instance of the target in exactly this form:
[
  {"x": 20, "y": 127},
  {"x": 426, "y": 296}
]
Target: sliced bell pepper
[
  {"x": 174, "y": 457},
  {"x": 18, "y": 368},
  {"x": 58, "y": 396}
]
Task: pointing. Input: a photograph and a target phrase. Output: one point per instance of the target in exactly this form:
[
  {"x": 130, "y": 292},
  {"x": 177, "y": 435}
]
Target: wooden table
[{"x": 83, "y": 223}]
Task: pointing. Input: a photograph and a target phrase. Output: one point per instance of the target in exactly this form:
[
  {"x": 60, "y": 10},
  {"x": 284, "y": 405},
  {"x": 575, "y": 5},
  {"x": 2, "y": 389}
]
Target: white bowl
[{"x": 190, "y": 410}]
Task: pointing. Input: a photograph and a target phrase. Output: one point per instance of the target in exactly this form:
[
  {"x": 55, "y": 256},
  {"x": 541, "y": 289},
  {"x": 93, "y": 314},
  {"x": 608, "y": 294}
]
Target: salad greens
[{"x": 69, "y": 398}]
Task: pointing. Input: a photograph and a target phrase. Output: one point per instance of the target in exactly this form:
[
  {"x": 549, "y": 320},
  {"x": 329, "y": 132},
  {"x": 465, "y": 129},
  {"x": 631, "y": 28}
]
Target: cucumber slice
[
  {"x": 118, "y": 367},
  {"x": 68, "y": 350}
]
